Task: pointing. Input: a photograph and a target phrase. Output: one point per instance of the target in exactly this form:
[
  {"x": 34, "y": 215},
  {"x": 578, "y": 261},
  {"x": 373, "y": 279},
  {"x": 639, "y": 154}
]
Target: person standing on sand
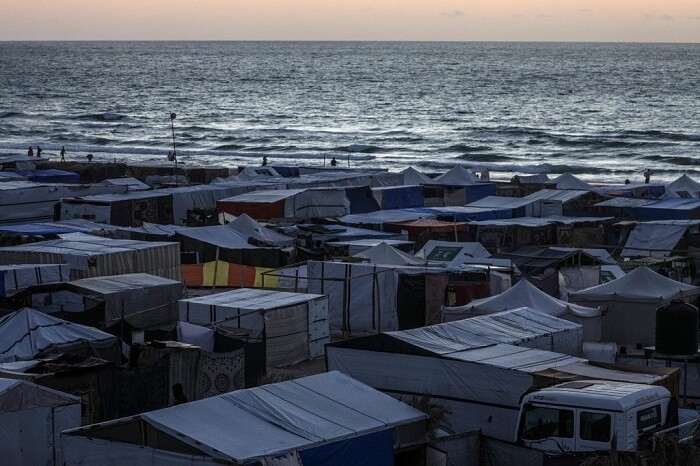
[
  {"x": 63, "y": 153},
  {"x": 334, "y": 162},
  {"x": 30, "y": 152},
  {"x": 264, "y": 163},
  {"x": 38, "y": 151},
  {"x": 647, "y": 175}
]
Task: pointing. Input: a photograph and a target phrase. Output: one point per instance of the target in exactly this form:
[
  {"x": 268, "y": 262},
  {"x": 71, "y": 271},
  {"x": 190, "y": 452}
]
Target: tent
[
  {"x": 18, "y": 277},
  {"x": 383, "y": 253},
  {"x": 129, "y": 181},
  {"x": 288, "y": 203},
  {"x": 457, "y": 175},
  {"x": 27, "y": 334},
  {"x": 411, "y": 176},
  {"x": 452, "y": 254},
  {"x": 569, "y": 181},
  {"x": 321, "y": 420},
  {"x": 631, "y": 303},
  {"x": 399, "y": 197},
  {"x": 673, "y": 208},
  {"x": 294, "y": 326},
  {"x": 346, "y": 248},
  {"x": 250, "y": 228},
  {"x": 92, "y": 256},
  {"x": 525, "y": 294},
  {"x": 143, "y": 301},
  {"x": 658, "y": 238},
  {"x": 31, "y": 421},
  {"x": 684, "y": 186}
]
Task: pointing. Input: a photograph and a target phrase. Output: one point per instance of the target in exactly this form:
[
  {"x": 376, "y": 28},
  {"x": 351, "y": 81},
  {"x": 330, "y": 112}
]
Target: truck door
[
  {"x": 548, "y": 428},
  {"x": 595, "y": 430}
]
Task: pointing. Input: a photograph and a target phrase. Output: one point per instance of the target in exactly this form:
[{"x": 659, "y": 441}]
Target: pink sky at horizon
[{"x": 449, "y": 20}]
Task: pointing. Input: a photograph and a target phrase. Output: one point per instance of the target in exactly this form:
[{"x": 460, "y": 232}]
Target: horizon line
[{"x": 474, "y": 41}]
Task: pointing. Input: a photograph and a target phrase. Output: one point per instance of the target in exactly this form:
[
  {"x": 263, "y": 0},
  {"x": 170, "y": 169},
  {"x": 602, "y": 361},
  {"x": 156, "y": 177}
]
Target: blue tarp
[
  {"x": 361, "y": 199},
  {"x": 479, "y": 191},
  {"x": 638, "y": 191},
  {"x": 376, "y": 449},
  {"x": 50, "y": 175},
  {"x": 670, "y": 209},
  {"x": 39, "y": 229},
  {"x": 401, "y": 197},
  {"x": 465, "y": 214}
]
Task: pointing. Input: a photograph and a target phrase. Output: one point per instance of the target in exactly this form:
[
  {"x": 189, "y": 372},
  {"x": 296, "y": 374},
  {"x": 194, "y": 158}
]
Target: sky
[{"x": 424, "y": 20}]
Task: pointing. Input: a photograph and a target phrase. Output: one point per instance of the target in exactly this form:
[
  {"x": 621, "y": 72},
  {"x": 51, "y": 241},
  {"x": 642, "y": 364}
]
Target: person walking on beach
[
  {"x": 89, "y": 157},
  {"x": 264, "y": 160},
  {"x": 63, "y": 153},
  {"x": 647, "y": 175},
  {"x": 334, "y": 162},
  {"x": 30, "y": 152},
  {"x": 38, "y": 151}
]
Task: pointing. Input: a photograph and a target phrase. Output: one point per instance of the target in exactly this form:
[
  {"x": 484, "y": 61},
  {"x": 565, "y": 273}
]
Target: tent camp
[
  {"x": 31, "y": 421},
  {"x": 293, "y": 326},
  {"x": 384, "y": 253},
  {"x": 452, "y": 254},
  {"x": 17, "y": 277},
  {"x": 525, "y": 294},
  {"x": 372, "y": 298},
  {"x": 27, "y": 334},
  {"x": 92, "y": 256},
  {"x": 322, "y": 420},
  {"x": 684, "y": 186},
  {"x": 143, "y": 301},
  {"x": 658, "y": 238},
  {"x": 288, "y": 203},
  {"x": 631, "y": 303}
]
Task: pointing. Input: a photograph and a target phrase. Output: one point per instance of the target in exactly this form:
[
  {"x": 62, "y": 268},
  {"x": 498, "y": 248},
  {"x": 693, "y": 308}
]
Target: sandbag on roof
[{"x": 384, "y": 253}]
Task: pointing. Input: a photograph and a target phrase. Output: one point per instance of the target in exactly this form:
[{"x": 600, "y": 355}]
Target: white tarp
[
  {"x": 525, "y": 294},
  {"x": 18, "y": 277},
  {"x": 412, "y": 176},
  {"x": 654, "y": 239},
  {"x": 452, "y": 254},
  {"x": 361, "y": 297},
  {"x": 294, "y": 326},
  {"x": 577, "y": 278},
  {"x": 457, "y": 176},
  {"x": 31, "y": 421},
  {"x": 631, "y": 303},
  {"x": 247, "y": 426},
  {"x": 569, "y": 181},
  {"x": 384, "y": 253},
  {"x": 684, "y": 186},
  {"x": 251, "y": 228}
]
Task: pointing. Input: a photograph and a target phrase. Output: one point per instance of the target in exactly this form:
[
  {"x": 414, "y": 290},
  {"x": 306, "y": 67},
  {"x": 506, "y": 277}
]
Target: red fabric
[{"x": 466, "y": 292}]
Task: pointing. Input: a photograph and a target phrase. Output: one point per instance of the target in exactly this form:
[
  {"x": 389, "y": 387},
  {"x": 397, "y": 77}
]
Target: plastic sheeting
[
  {"x": 569, "y": 181},
  {"x": 388, "y": 255},
  {"x": 452, "y": 254},
  {"x": 684, "y": 186},
  {"x": 399, "y": 197},
  {"x": 653, "y": 239},
  {"x": 670, "y": 209},
  {"x": 14, "y": 278}
]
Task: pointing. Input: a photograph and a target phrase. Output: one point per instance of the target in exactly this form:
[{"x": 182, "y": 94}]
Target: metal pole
[{"x": 172, "y": 128}]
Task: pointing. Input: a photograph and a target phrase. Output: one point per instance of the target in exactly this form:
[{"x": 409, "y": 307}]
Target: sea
[{"x": 605, "y": 112}]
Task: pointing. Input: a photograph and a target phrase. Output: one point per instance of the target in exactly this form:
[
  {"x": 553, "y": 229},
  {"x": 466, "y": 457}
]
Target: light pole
[{"x": 172, "y": 128}]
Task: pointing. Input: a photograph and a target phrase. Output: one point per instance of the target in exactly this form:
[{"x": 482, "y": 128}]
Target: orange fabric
[
  {"x": 192, "y": 274},
  {"x": 241, "y": 275}
]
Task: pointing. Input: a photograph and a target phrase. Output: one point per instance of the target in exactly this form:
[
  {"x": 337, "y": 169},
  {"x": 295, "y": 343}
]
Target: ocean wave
[
  {"x": 677, "y": 160},
  {"x": 468, "y": 148},
  {"x": 480, "y": 157},
  {"x": 9, "y": 114},
  {"x": 101, "y": 117},
  {"x": 361, "y": 148}
]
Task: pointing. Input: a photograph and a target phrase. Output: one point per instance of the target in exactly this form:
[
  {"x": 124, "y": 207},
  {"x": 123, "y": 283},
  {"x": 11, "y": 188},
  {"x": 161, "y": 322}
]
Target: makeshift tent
[
  {"x": 288, "y": 203},
  {"x": 636, "y": 190},
  {"x": 333, "y": 249},
  {"x": 383, "y": 253},
  {"x": 49, "y": 175},
  {"x": 18, "y": 277},
  {"x": 536, "y": 259},
  {"x": 247, "y": 227},
  {"x": 481, "y": 382},
  {"x": 674, "y": 208},
  {"x": 321, "y": 420},
  {"x": 130, "y": 182},
  {"x": 573, "y": 202},
  {"x": 31, "y": 421},
  {"x": 525, "y": 294},
  {"x": 411, "y": 176},
  {"x": 452, "y": 254},
  {"x": 27, "y": 334},
  {"x": 294, "y": 326},
  {"x": 226, "y": 274},
  {"x": 399, "y": 197},
  {"x": 29, "y": 202},
  {"x": 433, "y": 229},
  {"x": 457, "y": 175},
  {"x": 372, "y": 298},
  {"x": 657, "y": 238},
  {"x": 631, "y": 303},
  {"x": 569, "y": 181},
  {"x": 76, "y": 225},
  {"x": 143, "y": 301},
  {"x": 92, "y": 256},
  {"x": 684, "y": 186}
]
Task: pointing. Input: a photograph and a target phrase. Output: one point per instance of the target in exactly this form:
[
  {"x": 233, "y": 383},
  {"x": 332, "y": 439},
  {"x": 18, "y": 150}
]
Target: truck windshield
[{"x": 541, "y": 422}]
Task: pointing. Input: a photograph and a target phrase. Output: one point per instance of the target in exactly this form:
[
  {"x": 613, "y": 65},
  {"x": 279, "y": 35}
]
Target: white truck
[{"x": 589, "y": 415}]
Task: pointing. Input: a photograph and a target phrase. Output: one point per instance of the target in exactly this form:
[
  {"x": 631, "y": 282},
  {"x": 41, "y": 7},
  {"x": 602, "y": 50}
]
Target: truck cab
[{"x": 587, "y": 415}]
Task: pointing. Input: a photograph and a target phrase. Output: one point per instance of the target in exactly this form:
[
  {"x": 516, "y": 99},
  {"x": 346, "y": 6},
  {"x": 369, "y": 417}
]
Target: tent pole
[{"x": 216, "y": 268}]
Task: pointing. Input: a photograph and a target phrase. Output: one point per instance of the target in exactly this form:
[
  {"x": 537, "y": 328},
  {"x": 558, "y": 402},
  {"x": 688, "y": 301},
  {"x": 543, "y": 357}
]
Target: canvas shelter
[
  {"x": 428, "y": 228},
  {"x": 684, "y": 186},
  {"x": 143, "y": 301},
  {"x": 480, "y": 381},
  {"x": 293, "y": 326},
  {"x": 631, "y": 303},
  {"x": 384, "y": 253},
  {"x": 17, "y": 277},
  {"x": 31, "y": 421},
  {"x": 411, "y": 176},
  {"x": 288, "y": 203},
  {"x": 28, "y": 334},
  {"x": 29, "y": 202},
  {"x": 372, "y": 297},
  {"x": 457, "y": 175},
  {"x": 321, "y": 420},
  {"x": 570, "y": 181},
  {"x": 525, "y": 294},
  {"x": 399, "y": 197},
  {"x": 673, "y": 208},
  {"x": 658, "y": 238},
  {"x": 451, "y": 254},
  {"x": 92, "y": 256}
]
